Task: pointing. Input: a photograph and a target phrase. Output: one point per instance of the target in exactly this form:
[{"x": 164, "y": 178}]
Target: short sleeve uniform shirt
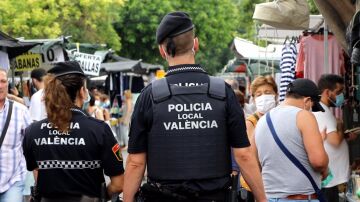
[{"x": 74, "y": 162}]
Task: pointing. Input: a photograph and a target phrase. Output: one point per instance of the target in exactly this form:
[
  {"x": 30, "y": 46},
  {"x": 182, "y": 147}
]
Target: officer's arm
[
  {"x": 249, "y": 168},
  {"x": 134, "y": 172},
  {"x": 116, "y": 185},
  {"x": 35, "y": 174}
]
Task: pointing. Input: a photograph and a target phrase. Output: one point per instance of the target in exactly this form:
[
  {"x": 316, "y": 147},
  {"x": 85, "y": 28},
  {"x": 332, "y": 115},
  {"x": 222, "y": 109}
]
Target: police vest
[{"x": 188, "y": 137}]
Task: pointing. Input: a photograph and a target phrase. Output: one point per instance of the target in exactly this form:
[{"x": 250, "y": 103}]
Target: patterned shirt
[
  {"x": 12, "y": 162},
  {"x": 287, "y": 66}
]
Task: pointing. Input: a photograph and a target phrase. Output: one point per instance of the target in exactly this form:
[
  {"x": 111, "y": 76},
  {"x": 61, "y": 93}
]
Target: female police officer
[{"x": 71, "y": 150}]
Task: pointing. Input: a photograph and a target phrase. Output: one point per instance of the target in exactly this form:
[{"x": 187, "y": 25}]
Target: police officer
[
  {"x": 183, "y": 127},
  {"x": 70, "y": 150}
]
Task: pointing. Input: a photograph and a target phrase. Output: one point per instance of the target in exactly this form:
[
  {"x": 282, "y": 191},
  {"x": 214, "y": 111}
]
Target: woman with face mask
[{"x": 265, "y": 92}]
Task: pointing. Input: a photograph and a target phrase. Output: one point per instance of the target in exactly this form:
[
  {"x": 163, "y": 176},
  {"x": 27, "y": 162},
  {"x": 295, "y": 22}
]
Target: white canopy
[{"x": 248, "y": 49}]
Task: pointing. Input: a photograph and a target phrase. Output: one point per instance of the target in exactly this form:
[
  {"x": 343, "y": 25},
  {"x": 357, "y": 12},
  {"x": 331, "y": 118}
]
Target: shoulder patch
[{"x": 117, "y": 152}]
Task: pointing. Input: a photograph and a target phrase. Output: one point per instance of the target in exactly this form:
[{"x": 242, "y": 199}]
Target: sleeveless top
[{"x": 280, "y": 176}]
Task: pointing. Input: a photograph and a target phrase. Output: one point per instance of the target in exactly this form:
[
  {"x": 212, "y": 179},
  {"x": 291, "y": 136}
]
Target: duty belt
[{"x": 71, "y": 199}]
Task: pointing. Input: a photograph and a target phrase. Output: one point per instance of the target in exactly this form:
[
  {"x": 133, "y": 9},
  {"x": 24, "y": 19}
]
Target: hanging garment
[
  {"x": 287, "y": 67},
  {"x": 285, "y": 14},
  {"x": 4, "y": 60},
  {"x": 311, "y": 57}
]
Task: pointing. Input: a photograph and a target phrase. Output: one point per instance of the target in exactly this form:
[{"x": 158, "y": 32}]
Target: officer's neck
[
  {"x": 181, "y": 59},
  {"x": 79, "y": 102}
]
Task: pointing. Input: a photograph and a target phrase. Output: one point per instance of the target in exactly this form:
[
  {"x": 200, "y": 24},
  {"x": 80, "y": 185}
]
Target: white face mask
[{"x": 264, "y": 103}]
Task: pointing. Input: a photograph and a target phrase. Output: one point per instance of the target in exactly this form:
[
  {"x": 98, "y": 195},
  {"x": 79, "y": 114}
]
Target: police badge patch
[{"x": 117, "y": 151}]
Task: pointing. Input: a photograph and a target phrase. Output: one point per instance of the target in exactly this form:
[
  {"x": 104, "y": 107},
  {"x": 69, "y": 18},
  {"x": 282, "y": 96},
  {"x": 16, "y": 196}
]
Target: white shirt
[
  {"x": 338, "y": 157},
  {"x": 12, "y": 161},
  {"x": 37, "y": 106}
]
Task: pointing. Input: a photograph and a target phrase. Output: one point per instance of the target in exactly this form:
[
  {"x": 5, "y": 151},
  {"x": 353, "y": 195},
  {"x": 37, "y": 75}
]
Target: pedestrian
[
  {"x": 287, "y": 134},
  {"x": 265, "y": 92},
  {"x": 331, "y": 87},
  {"x": 184, "y": 126},
  {"x": 37, "y": 104},
  {"x": 94, "y": 110},
  {"x": 14, "y": 118},
  {"x": 70, "y": 150}
]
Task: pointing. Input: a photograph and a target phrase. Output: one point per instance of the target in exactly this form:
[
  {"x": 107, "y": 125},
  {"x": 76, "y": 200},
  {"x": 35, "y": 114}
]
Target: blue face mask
[{"x": 340, "y": 100}]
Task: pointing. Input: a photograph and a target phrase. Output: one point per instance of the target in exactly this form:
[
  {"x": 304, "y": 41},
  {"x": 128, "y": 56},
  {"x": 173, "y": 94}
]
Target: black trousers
[
  {"x": 208, "y": 197},
  {"x": 331, "y": 194}
]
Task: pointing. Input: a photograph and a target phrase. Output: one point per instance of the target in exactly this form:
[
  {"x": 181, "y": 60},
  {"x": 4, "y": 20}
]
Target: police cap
[
  {"x": 173, "y": 24},
  {"x": 64, "y": 68}
]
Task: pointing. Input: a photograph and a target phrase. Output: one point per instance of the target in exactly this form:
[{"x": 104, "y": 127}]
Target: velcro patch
[{"x": 117, "y": 151}]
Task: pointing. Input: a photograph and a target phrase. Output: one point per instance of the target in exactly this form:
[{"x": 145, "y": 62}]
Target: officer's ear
[
  {"x": 162, "y": 52},
  {"x": 83, "y": 93},
  {"x": 196, "y": 44}
]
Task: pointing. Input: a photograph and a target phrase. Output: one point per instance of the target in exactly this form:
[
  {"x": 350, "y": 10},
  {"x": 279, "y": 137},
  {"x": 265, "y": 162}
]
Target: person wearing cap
[
  {"x": 297, "y": 129},
  {"x": 37, "y": 105},
  {"x": 184, "y": 126},
  {"x": 331, "y": 87},
  {"x": 70, "y": 150}
]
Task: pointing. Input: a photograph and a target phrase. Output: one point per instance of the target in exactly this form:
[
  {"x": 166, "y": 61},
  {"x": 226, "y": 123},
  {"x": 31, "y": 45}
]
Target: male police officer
[{"x": 183, "y": 127}]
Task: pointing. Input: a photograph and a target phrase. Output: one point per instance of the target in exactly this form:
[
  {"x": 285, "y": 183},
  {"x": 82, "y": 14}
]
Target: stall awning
[
  {"x": 247, "y": 49},
  {"x": 13, "y": 46},
  {"x": 134, "y": 66}
]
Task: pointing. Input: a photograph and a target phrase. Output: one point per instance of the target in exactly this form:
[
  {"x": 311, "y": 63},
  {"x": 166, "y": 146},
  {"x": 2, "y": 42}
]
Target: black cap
[
  {"x": 173, "y": 24},
  {"x": 307, "y": 88},
  {"x": 64, "y": 68},
  {"x": 38, "y": 73}
]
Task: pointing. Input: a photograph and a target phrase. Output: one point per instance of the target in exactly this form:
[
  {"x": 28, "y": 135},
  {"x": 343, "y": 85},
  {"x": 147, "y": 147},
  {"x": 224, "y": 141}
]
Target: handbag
[
  {"x": 293, "y": 159},
  {"x": 3, "y": 133},
  {"x": 284, "y": 14}
]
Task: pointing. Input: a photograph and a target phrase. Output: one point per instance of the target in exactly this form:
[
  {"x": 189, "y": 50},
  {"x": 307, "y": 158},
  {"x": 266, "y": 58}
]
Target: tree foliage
[
  {"x": 85, "y": 20},
  {"x": 313, "y": 9},
  {"x": 246, "y": 9},
  {"x": 216, "y": 24}
]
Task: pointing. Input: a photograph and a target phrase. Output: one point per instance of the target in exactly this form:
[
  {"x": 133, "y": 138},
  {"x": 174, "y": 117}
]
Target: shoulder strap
[
  {"x": 293, "y": 159},
  {"x": 3, "y": 133},
  {"x": 217, "y": 88},
  {"x": 160, "y": 90},
  {"x": 253, "y": 119}
]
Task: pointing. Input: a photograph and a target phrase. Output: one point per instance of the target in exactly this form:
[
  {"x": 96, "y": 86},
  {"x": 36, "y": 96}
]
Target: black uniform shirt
[
  {"x": 186, "y": 75},
  {"x": 72, "y": 163}
]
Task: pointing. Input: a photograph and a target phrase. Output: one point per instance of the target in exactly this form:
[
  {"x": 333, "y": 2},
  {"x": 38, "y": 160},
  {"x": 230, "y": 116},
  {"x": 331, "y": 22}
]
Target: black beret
[
  {"x": 173, "y": 24},
  {"x": 64, "y": 68},
  {"x": 38, "y": 73}
]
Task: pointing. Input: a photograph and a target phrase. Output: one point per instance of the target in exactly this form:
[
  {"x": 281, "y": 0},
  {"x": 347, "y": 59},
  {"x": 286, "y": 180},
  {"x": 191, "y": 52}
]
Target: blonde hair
[
  {"x": 128, "y": 94},
  {"x": 263, "y": 80}
]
